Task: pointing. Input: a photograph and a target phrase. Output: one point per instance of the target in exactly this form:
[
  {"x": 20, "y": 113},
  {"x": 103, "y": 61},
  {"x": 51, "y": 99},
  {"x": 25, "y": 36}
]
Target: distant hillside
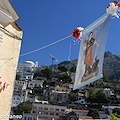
[{"x": 111, "y": 65}]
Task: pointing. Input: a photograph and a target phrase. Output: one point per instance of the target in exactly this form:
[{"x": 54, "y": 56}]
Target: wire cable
[
  {"x": 7, "y": 59},
  {"x": 45, "y": 46}
]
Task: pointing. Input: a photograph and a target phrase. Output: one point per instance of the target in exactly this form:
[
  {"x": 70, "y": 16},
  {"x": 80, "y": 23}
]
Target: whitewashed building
[
  {"x": 26, "y": 75},
  {"x": 108, "y": 92},
  {"x": 16, "y": 100},
  {"x": 35, "y": 83},
  {"x": 26, "y": 70},
  {"x": 27, "y": 66},
  {"x": 21, "y": 85}
]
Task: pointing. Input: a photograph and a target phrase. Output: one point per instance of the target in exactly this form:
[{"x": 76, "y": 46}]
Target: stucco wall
[{"x": 9, "y": 47}]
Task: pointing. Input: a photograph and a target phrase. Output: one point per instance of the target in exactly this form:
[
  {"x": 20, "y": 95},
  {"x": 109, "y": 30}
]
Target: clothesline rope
[
  {"x": 45, "y": 46},
  {"x": 37, "y": 49}
]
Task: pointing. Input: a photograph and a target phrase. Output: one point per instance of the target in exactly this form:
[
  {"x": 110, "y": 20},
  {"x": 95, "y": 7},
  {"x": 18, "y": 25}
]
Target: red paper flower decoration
[
  {"x": 76, "y": 33},
  {"x": 113, "y": 8}
]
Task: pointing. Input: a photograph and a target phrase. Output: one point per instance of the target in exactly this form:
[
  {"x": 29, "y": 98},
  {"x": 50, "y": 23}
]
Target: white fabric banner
[{"x": 91, "y": 55}]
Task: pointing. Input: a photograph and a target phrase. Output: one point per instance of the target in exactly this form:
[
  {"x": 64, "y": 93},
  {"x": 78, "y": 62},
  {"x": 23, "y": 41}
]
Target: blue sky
[{"x": 46, "y": 21}]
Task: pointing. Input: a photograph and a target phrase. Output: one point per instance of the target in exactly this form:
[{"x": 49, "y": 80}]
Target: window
[
  {"x": 62, "y": 89},
  {"x": 34, "y": 112},
  {"x": 45, "y": 113},
  {"x": 57, "y": 114},
  {"x": 62, "y": 110},
  {"x": 29, "y": 118},
  {"x": 34, "y": 118},
  {"x": 40, "y": 108},
  {"x": 57, "y": 109},
  {"x": 52, "y": 109},
  {"x": 18, "y": 98},
  {"x": 34, "y": 107},
  {"x": 80, "y": 98},
  {"x": 51, "y": 113},
  {"x": 24, "y": 118},
  {"x": 45, "y": 108}
]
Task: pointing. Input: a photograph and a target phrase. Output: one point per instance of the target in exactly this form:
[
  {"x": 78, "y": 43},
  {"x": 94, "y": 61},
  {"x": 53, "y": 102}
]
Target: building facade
[
  {"x": 29, "y": 117},
  {"x": 20, "y": 85},
  {"x": 16, "y": 100},
  {"x": 48, "y": 111},
  {"x": 10, "y": 44},
  {"x": 108, "y": 92},
  {"x": 27, "y": 66},
  {"x": 35, "y": 83},
  {"x": 26, "y": 70}
]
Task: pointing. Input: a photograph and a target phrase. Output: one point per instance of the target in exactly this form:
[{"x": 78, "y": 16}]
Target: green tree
[
  {"x": 25, "y": 107},
  {"x": 65, "y": 78},
  {"x": 37, "y": 91},
  {"x": 47, "y": 73},
  {"x": 105, "y": 79},
  {"x": 17, "y": 76},
  {"x": 116, "y": 110},
  {"x": 101, "y": 97},
  {"x": 94, "y": 113},
  {"x": 37, "y": 73},
  {"x": 113, "y": 116},
  {"x": 72, "y": 69},
  {"x": 97, "y": 97},
  {"x": 73, "y": 97},
  {"x": 39, "y": 98},
  {"x": 45, "y": 83},
  {"x": 62, "y": 68},
  {"x": 53, "y": 102}
]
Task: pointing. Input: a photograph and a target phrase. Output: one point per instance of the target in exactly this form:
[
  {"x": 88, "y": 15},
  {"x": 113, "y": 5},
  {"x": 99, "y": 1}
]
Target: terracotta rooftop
[
  {"x": 85, "y": 117},
  {"x": 84, "y": 111}
]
